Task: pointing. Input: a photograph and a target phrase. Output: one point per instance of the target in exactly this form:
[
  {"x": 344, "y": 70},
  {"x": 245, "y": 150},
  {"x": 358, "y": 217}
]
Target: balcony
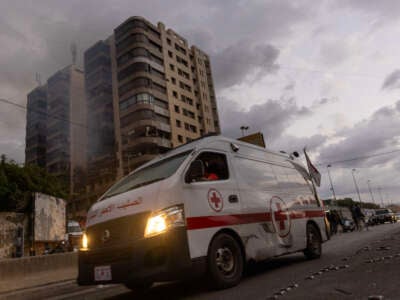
[{"x": 163, "y": 142}]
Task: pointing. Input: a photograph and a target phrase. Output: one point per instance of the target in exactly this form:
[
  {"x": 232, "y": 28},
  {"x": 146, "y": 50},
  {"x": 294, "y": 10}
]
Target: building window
[
  {"x": 172, "y": 67},
  {"x": 176, "y": 107},
  {"x": 175, "y": 94},
  {"x": 136, "y": 99},
  {"x": 168, "y": 41},
  {"x": 178, "y": 123},
  {"x": 180, "y": 49},
  {"x": 193, "y": 128},
  {"x": 173, "y": 80},
  {"x": 180, "y": 138},
  {"x": 170, "y": 54}
]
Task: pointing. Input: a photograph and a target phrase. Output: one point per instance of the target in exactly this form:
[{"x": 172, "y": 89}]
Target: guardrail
[{"x": 17, "y": 273}]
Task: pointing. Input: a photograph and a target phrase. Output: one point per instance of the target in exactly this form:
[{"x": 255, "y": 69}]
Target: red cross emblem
[
  {"x": 280, "y": 216},
  {"x": 215, "y": 200}
]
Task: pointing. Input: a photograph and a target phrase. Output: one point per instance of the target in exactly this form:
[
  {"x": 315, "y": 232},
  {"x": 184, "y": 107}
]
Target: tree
[
  {"x": 17, "y": 183},
  {"x": 349, "y": 202}
]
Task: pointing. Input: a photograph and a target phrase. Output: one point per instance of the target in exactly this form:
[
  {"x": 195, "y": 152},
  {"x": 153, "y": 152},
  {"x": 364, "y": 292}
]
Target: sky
[{"x": 318, "y": 74}]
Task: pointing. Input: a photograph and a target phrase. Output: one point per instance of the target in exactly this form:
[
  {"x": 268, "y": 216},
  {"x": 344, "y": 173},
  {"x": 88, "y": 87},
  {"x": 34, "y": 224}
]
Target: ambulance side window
[
  {"x": 256, "y": 174},
  {"x": 215, "y": 166}
]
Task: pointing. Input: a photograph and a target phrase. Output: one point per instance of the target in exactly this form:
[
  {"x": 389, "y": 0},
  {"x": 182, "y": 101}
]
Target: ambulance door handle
[{"x": 233, "y": 199}]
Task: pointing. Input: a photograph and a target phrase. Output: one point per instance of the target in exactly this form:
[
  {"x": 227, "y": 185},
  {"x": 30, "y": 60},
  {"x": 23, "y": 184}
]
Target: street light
[
  {"x": 355, "y": 184},
  {"x": 243, "y": 129},
  {"x": 330, "y": 180},
  {"x": 370, "y": 191}
]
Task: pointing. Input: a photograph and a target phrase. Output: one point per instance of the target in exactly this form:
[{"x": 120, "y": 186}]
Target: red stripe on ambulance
[{"x": 202, "y": 222}]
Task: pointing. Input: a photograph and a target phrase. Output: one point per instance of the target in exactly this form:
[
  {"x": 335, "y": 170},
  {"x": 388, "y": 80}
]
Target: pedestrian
[
  {"x": 335, "y": 220},
  {"x": 354, "y": 216},
  {"x": 360, "y": 216}
]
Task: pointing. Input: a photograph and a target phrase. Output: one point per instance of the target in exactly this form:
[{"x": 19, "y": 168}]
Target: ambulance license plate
[{"x": 102, "y": 273}]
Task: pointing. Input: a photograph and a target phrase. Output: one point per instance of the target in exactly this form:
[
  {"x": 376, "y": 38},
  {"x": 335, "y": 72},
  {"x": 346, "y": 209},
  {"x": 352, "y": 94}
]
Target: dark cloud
[
  {"x": 235, "y": 63},
  {"x": 271, "y": 118},
  {"x": 290, "y": 86},
  {"x": 36, "y": 37},
  {"x": 377, "y": 134},
  {"x": 392, "y": 81},
  {"x": 291, "y": 143},
  {"x": 324, "y": 101},
  {"x": 334, "y": 52}
]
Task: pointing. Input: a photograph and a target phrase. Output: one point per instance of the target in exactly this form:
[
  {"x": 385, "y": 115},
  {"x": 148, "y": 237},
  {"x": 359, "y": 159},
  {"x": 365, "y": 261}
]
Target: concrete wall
[
  {"x": 9, "y": 223},
  {"x": 37, "y": 270}
]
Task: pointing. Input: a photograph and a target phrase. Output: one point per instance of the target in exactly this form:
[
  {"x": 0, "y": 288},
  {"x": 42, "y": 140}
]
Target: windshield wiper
[{"x": 145, "y": 183}]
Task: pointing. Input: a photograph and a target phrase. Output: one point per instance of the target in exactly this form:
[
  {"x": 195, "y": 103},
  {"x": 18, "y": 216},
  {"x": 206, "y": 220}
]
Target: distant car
[
  {"x": 74, "y": 232},
  {"x": 397, "y": 216},
  {"x": 385, "y": 215},
  {"x": 348, "y": 225}
]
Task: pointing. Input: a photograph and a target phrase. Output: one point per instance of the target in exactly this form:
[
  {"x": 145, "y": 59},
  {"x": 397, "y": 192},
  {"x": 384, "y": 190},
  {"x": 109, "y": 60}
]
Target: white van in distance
[{"x": 208, "y": 206}]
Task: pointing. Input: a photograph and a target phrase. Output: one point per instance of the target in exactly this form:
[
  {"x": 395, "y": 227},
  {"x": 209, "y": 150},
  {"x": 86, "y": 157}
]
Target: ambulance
[{"x": 208, "y": 207}]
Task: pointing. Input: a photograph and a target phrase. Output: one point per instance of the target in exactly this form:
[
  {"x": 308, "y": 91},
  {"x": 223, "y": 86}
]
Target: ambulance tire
[
  {"x": 314, "y": 242},
  {"x": 139, "y": 288},
  {"x": 225, "y": 262}
]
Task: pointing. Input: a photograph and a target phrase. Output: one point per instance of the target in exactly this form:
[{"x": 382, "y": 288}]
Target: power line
[
  {"x": 359, "y": 157},
  {"x": 87, "y": 127},
  {"x": 43, "y": 113}
]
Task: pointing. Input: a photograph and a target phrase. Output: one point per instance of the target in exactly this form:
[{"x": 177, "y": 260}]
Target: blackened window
[
  {"x": 135, "y": 83},
  {"x": 136, "y": 67}
]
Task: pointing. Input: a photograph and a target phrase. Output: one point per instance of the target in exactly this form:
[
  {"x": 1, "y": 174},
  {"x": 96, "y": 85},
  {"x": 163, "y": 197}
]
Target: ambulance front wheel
[
  {"x": 314, "y": 248},
  {"x": 225, "y": 262}
]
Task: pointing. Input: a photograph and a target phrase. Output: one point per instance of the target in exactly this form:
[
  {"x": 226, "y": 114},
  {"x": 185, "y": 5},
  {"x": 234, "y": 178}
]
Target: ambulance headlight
[
  {"x": 85, "y": 242},
  {"x": 161, "y": 221}
]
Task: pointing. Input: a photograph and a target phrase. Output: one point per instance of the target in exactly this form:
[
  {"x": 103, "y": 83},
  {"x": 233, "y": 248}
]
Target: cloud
[
  {"x": 379, "y": 133},
  {"x": 290, "y": 86},
  {"x": 236, "y": 63},
  {"x": 324, "y": 101},
  {"x": 374, "y": 135},
  {"x": 392, "y": 81},
  {"x": 334, "y": 52},
  {"x": 271, "y": 118},
  {"x": 289, "y": 143},
  {"x": 384, "y": 8}
]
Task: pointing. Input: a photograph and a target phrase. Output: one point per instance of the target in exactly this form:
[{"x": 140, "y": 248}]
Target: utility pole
[
  {"x": 330, "y": 180},
  {"x": 370, "y": 191},
  {"x": 380, "y": 194},
  {"x": 355, "y": 184}
]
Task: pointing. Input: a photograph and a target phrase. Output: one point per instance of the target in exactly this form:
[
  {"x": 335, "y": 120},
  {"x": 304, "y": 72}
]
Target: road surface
[{"x": 353, "y": 266}]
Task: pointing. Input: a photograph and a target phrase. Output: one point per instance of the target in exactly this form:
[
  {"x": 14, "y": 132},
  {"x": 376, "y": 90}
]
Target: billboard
[
  {"x": 255, "y": 139},
  {"x": 49, "y": 218}
]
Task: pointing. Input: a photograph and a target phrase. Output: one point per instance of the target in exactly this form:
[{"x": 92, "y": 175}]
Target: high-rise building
[
  {"x": 147, "y": 91},
  {"x": 66, "y": 128},
  {"x": 101, "y": 151},
  {"x": 163, "y": 92},
  {"x": 36, "y": 127}
]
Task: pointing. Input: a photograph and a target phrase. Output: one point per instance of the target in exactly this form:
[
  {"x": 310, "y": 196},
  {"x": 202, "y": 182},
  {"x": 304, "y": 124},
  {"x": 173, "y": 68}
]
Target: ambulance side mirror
[{"x": 196, "y": 171}]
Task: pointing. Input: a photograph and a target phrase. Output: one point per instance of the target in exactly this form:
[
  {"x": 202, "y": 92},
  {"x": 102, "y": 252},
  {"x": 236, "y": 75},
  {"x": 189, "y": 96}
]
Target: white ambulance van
[{"x": 208, "y": 206}]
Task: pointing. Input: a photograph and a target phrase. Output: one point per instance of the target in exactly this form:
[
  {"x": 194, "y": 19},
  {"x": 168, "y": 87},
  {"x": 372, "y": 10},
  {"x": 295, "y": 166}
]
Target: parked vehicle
[
  {"x": 348, "y": 225},
  {"x": 211, "y": 205},
  {"x": 74, "y": 235},
  {"x": 384, "y": 215}
]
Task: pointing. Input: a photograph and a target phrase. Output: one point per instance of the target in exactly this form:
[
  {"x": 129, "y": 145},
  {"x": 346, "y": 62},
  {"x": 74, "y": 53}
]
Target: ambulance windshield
[{"x": 152, "y": 173}]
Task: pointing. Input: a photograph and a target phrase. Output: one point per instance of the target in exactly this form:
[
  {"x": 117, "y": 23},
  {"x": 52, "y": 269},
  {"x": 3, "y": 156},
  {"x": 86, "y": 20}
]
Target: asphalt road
[{"x": 353, "y": 266}]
